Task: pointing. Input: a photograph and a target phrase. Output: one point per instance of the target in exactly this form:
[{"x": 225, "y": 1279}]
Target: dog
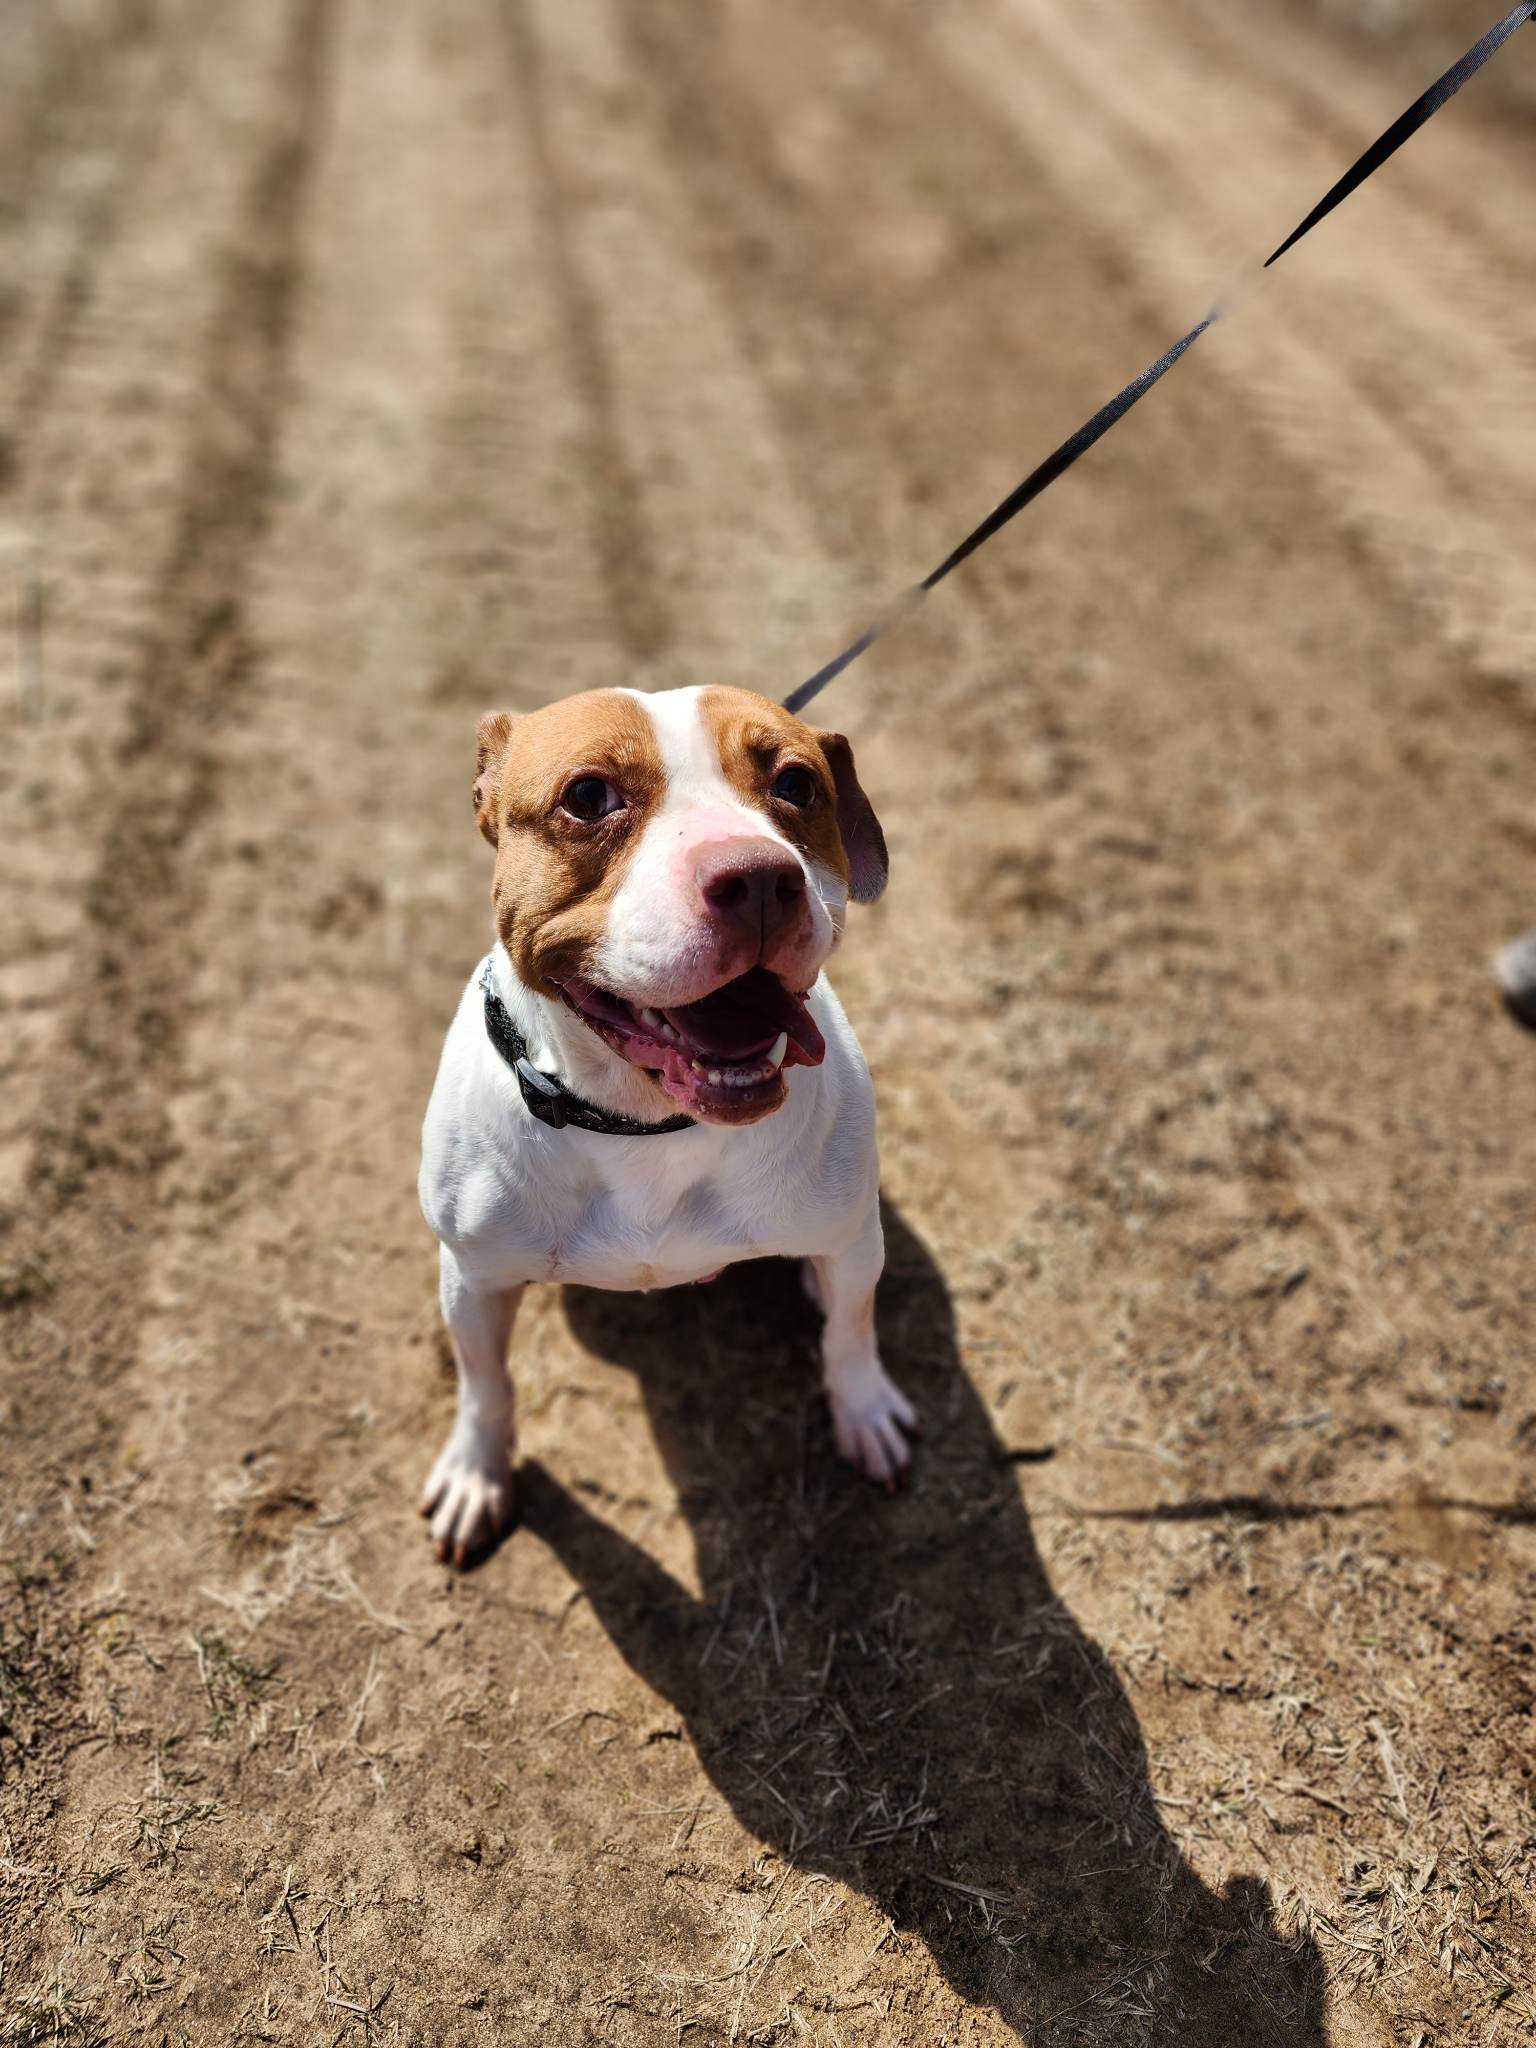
[{"x": 649, "y": 1078}]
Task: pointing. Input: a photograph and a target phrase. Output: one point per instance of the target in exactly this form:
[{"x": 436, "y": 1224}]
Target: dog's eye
[
  {"x": 590, "y": 798},
  {"x": 795, "y": 785}
]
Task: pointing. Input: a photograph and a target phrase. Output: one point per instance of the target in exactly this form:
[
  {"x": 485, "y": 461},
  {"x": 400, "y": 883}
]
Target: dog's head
[{"x": 675, "y": 868}]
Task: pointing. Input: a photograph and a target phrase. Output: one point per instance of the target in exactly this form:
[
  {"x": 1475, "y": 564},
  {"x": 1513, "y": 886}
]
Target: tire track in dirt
[
  {"x": 1333, "y": 91},
  {"x": 1364, "y": 307},
  {"x": 103, "y": 385},
  {"x": 624, "y": 541},
  {"x": 1396, "y": 286},
  {"x": 106, "y": 120},
  {"x": 77, "y": 177},
  {"x": 101, "y": 1126},
  {"x": 1320, "y": 350},
  {"x": 724, "y": 519},
  {"x": 51, "y": 55}
]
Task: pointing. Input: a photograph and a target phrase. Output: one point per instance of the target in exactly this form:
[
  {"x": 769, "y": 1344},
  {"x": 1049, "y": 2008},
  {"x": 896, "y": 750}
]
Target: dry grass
[{"x": 38, "y": 1656}]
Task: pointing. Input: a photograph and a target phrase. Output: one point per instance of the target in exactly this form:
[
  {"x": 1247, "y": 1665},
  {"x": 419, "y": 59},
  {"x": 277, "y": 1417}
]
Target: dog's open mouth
[{"x": 723, "y": 1057}]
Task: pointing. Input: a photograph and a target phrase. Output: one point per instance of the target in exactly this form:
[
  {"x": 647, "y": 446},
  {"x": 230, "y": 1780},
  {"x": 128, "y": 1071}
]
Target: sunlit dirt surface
[{"x": 365, "y": 367}]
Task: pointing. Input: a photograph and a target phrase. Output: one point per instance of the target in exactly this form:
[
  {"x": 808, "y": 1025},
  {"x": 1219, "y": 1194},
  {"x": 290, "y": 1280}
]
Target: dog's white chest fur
[{"x": 516, "y": 1201}]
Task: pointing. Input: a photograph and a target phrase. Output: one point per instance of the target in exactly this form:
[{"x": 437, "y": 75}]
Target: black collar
[{"x": 548, "y": 1099}]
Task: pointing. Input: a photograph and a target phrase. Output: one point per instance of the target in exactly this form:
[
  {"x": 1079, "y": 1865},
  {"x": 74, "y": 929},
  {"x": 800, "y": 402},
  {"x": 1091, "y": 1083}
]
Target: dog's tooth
[
  {"x": 747, "y": 1077},
  {"x": 714, "y": 1075},
  {"x": 670, "y": 1031},
  {"x": 698, "y": 1066},
  {"x": 776, "y": 1052}
]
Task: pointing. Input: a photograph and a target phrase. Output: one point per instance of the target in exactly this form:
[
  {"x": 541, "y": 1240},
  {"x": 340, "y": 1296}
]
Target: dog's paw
[
  {"x": 871, "y": 1423},
  {"x": 470, "y": 1499}
]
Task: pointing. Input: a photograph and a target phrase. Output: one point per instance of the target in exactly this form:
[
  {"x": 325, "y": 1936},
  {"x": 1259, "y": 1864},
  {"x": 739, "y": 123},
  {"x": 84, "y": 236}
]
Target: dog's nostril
[
  {"x": 728, "y": 892},
  {"x": 790, "y": 885}
]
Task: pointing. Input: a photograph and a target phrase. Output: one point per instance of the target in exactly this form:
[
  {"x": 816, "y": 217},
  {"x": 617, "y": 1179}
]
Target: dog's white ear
[
  {"x": 863, "y": 840},
  {"x": 491, "y": 738}
]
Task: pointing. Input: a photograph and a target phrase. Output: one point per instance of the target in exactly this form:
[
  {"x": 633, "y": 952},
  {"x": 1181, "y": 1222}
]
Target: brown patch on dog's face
[
  {"x": 837, "y": 828},
  {"x": 556, "y": 866}
]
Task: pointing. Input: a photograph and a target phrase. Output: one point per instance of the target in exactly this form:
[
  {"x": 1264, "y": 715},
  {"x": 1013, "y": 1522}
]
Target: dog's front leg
[
  {"x": 469, "y": 1492},
  {"x": 870, "y": 1414}
]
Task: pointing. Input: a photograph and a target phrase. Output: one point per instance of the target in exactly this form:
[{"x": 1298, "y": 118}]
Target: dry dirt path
[{"x": 362, "y": 368}]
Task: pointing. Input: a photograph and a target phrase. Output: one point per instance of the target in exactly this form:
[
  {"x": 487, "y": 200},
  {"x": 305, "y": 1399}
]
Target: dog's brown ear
[
  {"x": 863, "y": 841},
  {"x": 491, "y": 738}
]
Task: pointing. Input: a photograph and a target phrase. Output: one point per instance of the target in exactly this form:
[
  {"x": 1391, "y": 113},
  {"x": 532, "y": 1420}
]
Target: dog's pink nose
[{"x": 755, "y": 883}]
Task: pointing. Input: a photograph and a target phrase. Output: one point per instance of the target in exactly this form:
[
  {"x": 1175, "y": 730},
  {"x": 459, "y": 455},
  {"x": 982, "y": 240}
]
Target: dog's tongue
[{"x": 745, "y": 1017}]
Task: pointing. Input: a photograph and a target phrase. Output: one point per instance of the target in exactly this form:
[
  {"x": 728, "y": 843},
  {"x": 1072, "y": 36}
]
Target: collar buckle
[{"x": 542, "y": 1093}]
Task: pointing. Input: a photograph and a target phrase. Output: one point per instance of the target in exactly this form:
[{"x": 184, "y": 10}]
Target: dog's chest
[
  {"x": 628, "y": 1231},
  {"x": 628, "y": 1237}
]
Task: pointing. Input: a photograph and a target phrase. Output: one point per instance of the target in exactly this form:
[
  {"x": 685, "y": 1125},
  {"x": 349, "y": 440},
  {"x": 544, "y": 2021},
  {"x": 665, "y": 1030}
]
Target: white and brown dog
[{"x": 621, "y": 1100}]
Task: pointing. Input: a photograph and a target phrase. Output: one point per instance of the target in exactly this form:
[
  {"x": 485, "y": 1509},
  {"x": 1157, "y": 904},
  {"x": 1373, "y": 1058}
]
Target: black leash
[
  {"x": 548, "y": 1099},
  {"x": 1078, "y": 444}
]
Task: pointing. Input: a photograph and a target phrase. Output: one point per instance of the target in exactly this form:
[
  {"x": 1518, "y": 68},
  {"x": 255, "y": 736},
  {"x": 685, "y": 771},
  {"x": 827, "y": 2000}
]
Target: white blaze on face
[{"x": 662, "y": 945}]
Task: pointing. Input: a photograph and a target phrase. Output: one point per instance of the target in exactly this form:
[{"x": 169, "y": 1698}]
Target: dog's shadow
[{"x": 891, "y": 1693}]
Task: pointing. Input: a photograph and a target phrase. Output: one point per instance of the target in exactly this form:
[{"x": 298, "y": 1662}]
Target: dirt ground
[{"x": 365, "y": 367}]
